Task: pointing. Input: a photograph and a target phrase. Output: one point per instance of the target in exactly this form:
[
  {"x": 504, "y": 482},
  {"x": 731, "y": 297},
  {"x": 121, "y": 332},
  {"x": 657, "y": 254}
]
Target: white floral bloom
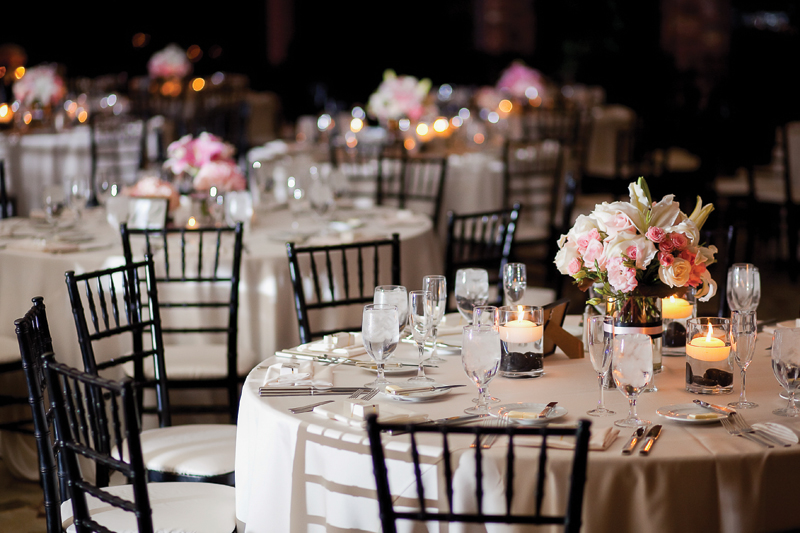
[
  {"x": 620, "y": 245},
  {"x": 583, "y": 225},
  {"x": 677, "y": 274},
  {"x": 567, "y": 253},
  {"x": 705, "y": 255},
  {"x": 616, "y": 217},
  {"x": 708, "y": 288},
  {"x": 688, "y": 228},
  {"x": 665, "y": 213},
  {"x": 638, "y": 197}
]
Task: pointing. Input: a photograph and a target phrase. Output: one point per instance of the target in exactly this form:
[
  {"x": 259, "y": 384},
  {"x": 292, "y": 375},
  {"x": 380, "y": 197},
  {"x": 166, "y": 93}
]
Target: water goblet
[
  {"x": 53, "y": 203},
  {"x": 380, "y": 334},
  {"x": 744, "y": 287},
  {"x": 419, "y": 318},
  {"x": 600, "y": 337},
  {"x": 743, "y": 344},
  {"x": 437, "y": 286},
  {"x": 485, "y": 315},
  {"x": 632, "y": 361},
  {"x": 515, "y": 280},
  {"x": 472, "y": 288},
  {"x": 78, "y": 193},
  {"x": 480, "y": 357},
  {"x": 394, "y": 295},
  {"x": 320, "y": 195},
  {"x": 786, "y": 366}
]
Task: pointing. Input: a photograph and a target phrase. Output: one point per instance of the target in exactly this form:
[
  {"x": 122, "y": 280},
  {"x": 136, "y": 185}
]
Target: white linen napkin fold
[
  {"x": 305, "y": 374},
  {"x": 599, "y": 441},
  {"x": 340, "y": 345},
  {"x": 341, "y": 411}
]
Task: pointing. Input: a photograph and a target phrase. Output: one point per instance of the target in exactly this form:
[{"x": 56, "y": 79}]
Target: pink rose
[
  {"x": 574, "y": 266},
  {"x": 632, "y": 252},
  {"x": 594, "y": 252},
  {"x": 679, "y": 240},
  {"x": 621, "y": 278},
  {"x": 656, "y": 234},
  {"x": 666, "y": 246},
  {"x": 224, "y": 175},
  {"x": 665, "y": 259}
]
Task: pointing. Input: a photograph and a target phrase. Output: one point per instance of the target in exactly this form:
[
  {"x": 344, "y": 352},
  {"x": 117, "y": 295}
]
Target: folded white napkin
[
  {"x": 304, "y": 374},
  {"x": 339, "y": 344},
  {"x": 599, "y": 441},
  {"x": 345, "y": 411},
  {"x": 452, "y": 324}
]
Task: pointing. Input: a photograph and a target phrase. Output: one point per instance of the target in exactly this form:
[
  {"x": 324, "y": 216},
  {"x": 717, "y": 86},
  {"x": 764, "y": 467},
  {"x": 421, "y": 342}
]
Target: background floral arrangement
[
  {"x": 639, "y": 248},
  {"x": 208, "y": 159},
  {"x": 398, "y": 97},
  {"x": 171, "y": 62},
  {"x": 518, "y": 77},
  {"x": 154, "y": 187},
  {"x": 40, "y": 84}
]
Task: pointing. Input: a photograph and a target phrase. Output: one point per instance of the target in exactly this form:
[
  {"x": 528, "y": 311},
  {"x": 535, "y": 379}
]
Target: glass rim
[
  {"x": 387, "y": 288},
  {"x": 379, "y": 307},
  {"x": 713, "y": 320},
  {"x": 750, "y": 266},
  {"x": 481, "y": 327},
  {"x": 433, "y": 276}
]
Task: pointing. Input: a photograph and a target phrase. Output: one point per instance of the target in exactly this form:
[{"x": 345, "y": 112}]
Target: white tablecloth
[
  {"x": 267, "y": 318},
  {"x": 304, "y": 473}
]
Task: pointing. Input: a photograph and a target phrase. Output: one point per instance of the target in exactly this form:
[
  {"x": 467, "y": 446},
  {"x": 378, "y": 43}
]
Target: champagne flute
[
  {"x": 744, "y": 287},
  {"x": 632, "y": 370},
  {"x": 743, "y": 344},
  {"x": 472, "y": 288},
  {"x": 437, "y": 286},
  {"x": 600, "y": 337},
  {"x": 515, "y": 280},
  {"x": 380, "y": 334},
  {"x": 480, "y": 357},
  {"x": 420, "y": 304},
  {"x": 394, "y": 295},
  {"x": 786, "y": 365}
]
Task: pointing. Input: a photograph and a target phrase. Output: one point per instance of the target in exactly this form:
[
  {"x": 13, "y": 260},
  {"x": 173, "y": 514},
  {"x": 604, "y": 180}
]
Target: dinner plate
[
  {"x": 682, "y": 412},
  {"x": 524, "y": 407},
  {"x": 417, "y": 396}
]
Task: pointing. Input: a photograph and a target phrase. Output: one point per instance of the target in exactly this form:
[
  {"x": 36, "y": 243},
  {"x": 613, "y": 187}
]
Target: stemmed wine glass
[
  {"x": 420, "y": 304},
  {"x": 380, "y": 334},
  {"x": 632, "y": 370},
  {"x": 472, "y": 288},
  {"x": 601, "y": 347},
  {"x": 53, "y": 203},
  {"x": 515, "y": 280},
  {"x": 786, "y": 365},
  {"x": 480, "y": 357},
  {"x": 394, "y": 295},
  {"x": 78, "y": 193},
  {"x": 320, "y": 195},
  {"x": 744, "y": 287},
  {"x": 743, "y": 344},
  {"x": 437, "y": 286}
]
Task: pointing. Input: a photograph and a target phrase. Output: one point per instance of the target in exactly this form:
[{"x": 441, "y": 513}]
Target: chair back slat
[
  {"x": 510, "y": 474},
  {"x": 478, "y": 473}
]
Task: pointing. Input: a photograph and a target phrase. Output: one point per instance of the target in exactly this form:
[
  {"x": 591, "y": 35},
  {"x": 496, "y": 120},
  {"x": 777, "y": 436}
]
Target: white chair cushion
[
  {"x": 177, "y": 507},
  {"x": 9, "y": 350},
  {"x": 192, "y": 449},
  {"x": 192, "y": 361}
]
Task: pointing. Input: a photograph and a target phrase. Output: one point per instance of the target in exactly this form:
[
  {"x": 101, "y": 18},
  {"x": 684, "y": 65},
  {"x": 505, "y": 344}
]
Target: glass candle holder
[
  {"x": 675, "y": 312},
  {"x": 521, "y": 341},
  {"x": 709, "y": 369}
]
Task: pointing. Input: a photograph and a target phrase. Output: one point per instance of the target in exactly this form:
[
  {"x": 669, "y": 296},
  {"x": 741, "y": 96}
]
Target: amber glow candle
[
  {"x": 708, "y": 347},
  {"x": 676, "y": 308},
  {"x": 521, "y": 331}
]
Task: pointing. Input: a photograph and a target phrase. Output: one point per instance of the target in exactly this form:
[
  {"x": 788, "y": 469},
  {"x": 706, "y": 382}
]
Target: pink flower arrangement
[
  {"x": 40, "y": 84},
  {"x": 398, "y": 97},
  {"x": 639, "y": 248},
  {"x": 171, "y": 62},
  {"x": 224, "y": 175},
  {"x": 518, "y": 77},
  {"x": 189, "y": 154},
  {"x": 154, "y": 187}
]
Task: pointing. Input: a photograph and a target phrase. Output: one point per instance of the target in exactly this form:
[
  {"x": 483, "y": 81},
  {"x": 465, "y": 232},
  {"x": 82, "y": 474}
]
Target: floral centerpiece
[
  {"x": 398, "y": 97},
  {"x": 518, "y": 78},
  {"x": 171, "y": 62},
  {"x": 208, "y": 160},
  {"x": 634, "y": 253},
  {"x": 40, "y": 85},
  {"x": 155, "y": 187}
]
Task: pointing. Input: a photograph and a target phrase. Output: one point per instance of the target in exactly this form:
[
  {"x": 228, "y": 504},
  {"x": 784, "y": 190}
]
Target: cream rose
[
  {"x": 677, "y": 274},
  {"x": 564, "y": 257}
]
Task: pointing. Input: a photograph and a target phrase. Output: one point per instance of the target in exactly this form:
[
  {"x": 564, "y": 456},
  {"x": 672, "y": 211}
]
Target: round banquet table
[
  {"x": 267, "y": 319},
  {"x": 305, "y": 472}
]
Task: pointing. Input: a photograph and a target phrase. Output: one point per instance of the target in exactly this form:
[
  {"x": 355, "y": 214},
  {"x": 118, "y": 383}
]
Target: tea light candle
[
  {"x": 708, "y": 348},
  {"x": 675, "y": 308},
  {"x": 521, "y": 331}
]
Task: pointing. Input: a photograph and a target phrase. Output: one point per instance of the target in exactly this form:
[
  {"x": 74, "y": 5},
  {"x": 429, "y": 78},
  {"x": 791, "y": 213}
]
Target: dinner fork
[
  {"x": 739, "y": 422},
  {"x": 488, "y": 440},
  {"x": 733, "y": 430},
  {"x": 307, "y": 408},
  {"x": 371, "y": 394}
]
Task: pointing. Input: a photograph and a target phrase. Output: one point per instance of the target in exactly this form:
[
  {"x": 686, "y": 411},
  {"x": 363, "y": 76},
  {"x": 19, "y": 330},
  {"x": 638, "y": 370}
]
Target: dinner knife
[
  {"x": 547, "y": 410},
  {"x": 449, "y": 421},
  {"x": 718, "y": 408},
  {"x": 650, "y": 439},
  {"x": 412, "y": 390},
  {"x": 631, "y": 444}
]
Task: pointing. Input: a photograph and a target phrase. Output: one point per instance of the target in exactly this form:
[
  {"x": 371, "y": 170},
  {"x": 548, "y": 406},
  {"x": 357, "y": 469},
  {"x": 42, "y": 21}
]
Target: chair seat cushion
[
  {"x": 192, "y": 450},
  {"x": 190, "y": 361},
  {"x": 9, "y": 350},
  {"x": 177, "y": 507}
]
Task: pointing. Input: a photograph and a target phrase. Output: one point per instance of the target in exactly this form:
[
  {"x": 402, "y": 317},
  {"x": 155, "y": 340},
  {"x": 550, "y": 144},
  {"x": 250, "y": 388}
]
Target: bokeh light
[
  {"x": 422, "y": 129},
  {"x": 356, "y": 124},
  {"x": 505, "y": 106},
  {"x": 440, "y": 124},
  {"x": 194, "y": 53},
  {"x": 19, "y": 72},
  {"x": 478, "y": 138},
  {"x": 198, "y": 84}
]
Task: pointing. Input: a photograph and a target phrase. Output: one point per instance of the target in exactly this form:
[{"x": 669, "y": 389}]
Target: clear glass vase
[{"x": 638, "y": 314}]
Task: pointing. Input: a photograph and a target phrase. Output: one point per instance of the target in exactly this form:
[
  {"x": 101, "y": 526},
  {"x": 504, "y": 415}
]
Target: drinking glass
[
  {"x": 515, "y": 280},
  {"x": 394, "y": 295},
  {"x": 216, "y": 205},
  {"x": 786, "y": 365},
  {"x": 472, "y": 288},
  {"x": 320, "y": 195},
  {"x": 380, "y": 334},
  {"x": 485, "y": 315},
  {"x": 632, "y": 371},
  {"x": 52, "y": 203},
  {"x": 437, "y": 286},
  {"x": 744, "y": 287},
  {"x": 420, "y": 304},
  {"x": 743, "y": 344},
  {"x": 109, "y": 185},
  {"x": 78, "y": 193},
  {"x": 480, "y": 357},
  {"x": 600, "y": 337}
]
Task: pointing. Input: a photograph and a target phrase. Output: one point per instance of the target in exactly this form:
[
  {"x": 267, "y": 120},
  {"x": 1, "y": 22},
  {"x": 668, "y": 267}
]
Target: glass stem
[
  {"x": 482, "y": 396},
  {"x": 380, "y": 371},
  {"x": 601, "y": 378},
  {"x": 434, "y": 331},
  {"x": 633, "y": 415},
  {"x": 421, "y": 369},
  {"x": 742, "y": 395}
]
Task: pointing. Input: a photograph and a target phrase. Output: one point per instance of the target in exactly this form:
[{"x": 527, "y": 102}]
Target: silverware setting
[
  {"x": 293, "y": 354},
  {"x": 638, "y": 433},
  {"x": 449, "y": 421},
  {"x": 739, "y": 421},
  {"x": 650, "y": 439},
  {"x": 736, "y": 431},
  {"x": 431, "y": 388},
  {"x": 725, "y": 410},
  {"x": 488, "y": 440},
  {"x": 367, "y": 393},
  {"x": 306, "y": 391},
  {"x": 307, "y": 408},
  {"x": 547, "y": 410}
]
